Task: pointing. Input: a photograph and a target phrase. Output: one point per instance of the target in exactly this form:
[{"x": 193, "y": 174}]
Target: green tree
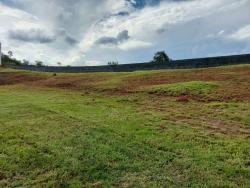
[
  {"x": 39, "y": 63},
  {"x": 10, "y": 54},
  {"x": 25, "y": 62},
  {"x": 8, "y": 60},
  {"x": 161, "y": 57}
]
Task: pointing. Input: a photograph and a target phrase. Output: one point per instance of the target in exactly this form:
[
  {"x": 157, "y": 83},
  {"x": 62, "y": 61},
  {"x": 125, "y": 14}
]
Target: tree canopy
[{"x": 161, "y": 57}]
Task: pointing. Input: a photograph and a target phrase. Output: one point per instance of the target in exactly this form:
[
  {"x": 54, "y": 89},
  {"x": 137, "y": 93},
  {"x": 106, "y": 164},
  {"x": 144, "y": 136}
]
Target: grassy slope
[{"x": 110, "y": 129}]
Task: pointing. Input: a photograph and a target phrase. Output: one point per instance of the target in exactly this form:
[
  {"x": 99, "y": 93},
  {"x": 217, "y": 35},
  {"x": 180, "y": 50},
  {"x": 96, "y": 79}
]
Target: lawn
[{"x": 126, "y": 129}]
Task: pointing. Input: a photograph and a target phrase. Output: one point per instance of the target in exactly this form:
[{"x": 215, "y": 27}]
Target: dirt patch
[
  {"x": 232, "y": 127},
  {"x": 209, "y": 123},
  {"x": 11, "y": 78},
  {"x": 194, "y": 114},
  {"x": 217, "y": 126},
  {"x": 235, "y": 86},
  {"x": 81, "y": 82},
  {"x": 234, "y": 80}
]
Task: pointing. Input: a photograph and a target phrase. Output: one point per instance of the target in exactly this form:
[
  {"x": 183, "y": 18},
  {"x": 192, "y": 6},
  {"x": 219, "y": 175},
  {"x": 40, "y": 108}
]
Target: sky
[{"x": 94, "y": 32}]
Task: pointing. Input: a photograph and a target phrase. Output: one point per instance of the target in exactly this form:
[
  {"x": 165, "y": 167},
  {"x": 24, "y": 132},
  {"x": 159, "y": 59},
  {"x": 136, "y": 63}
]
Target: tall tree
[
  {"x": 161, "y": 57},
  {"x": 10, "y": 54}
]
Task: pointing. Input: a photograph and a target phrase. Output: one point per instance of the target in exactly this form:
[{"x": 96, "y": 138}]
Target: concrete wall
[{"x": 176, "y": 64}]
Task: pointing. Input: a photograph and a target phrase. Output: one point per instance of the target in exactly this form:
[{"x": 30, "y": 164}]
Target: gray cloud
[
  {"x": 107, "y": 41},
  {"x": 121, "y": 37},
  {"x": 161, "y": 30},
  {"x": 70, "y": 40},
  {"x": 75, "y": 16},
  {"x": 32, "y": 35}
]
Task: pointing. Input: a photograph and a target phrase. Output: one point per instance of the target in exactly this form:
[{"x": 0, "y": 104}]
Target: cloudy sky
[{"x": 93, "y": 32}]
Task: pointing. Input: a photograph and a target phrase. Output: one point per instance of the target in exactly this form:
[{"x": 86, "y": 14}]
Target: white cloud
[
  {"x": 14, "y": 18},
  {"x": 142, "y": 25},
  {"x": 242, "y": 34},
  {"x": 134, "y": 44}
]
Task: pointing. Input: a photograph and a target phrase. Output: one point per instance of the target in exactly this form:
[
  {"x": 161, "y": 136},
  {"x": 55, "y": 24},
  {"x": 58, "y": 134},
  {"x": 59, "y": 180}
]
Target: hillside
[{"x": 168, "y": 128}]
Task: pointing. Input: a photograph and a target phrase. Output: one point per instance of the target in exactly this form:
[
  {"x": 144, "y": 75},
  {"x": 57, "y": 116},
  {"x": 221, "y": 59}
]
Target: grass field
[{"x": 169, "y": 128}]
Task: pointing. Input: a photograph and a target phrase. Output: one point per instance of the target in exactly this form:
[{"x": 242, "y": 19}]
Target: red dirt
[
  {"x": 182, "y": 99},
  {"x": 10, "y": 78},
  {"x": 235, "y": 80}
]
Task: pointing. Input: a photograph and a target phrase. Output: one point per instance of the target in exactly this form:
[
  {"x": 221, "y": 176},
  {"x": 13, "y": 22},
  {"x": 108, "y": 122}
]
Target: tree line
[
  {"x": 159, "y": 58},
  {"x": 8, "y": 59}
]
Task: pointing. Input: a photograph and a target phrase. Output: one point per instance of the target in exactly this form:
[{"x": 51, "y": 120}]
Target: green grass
[
  {"x": 184, "y": 88},
  {"x": 66, "y": 138}
]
